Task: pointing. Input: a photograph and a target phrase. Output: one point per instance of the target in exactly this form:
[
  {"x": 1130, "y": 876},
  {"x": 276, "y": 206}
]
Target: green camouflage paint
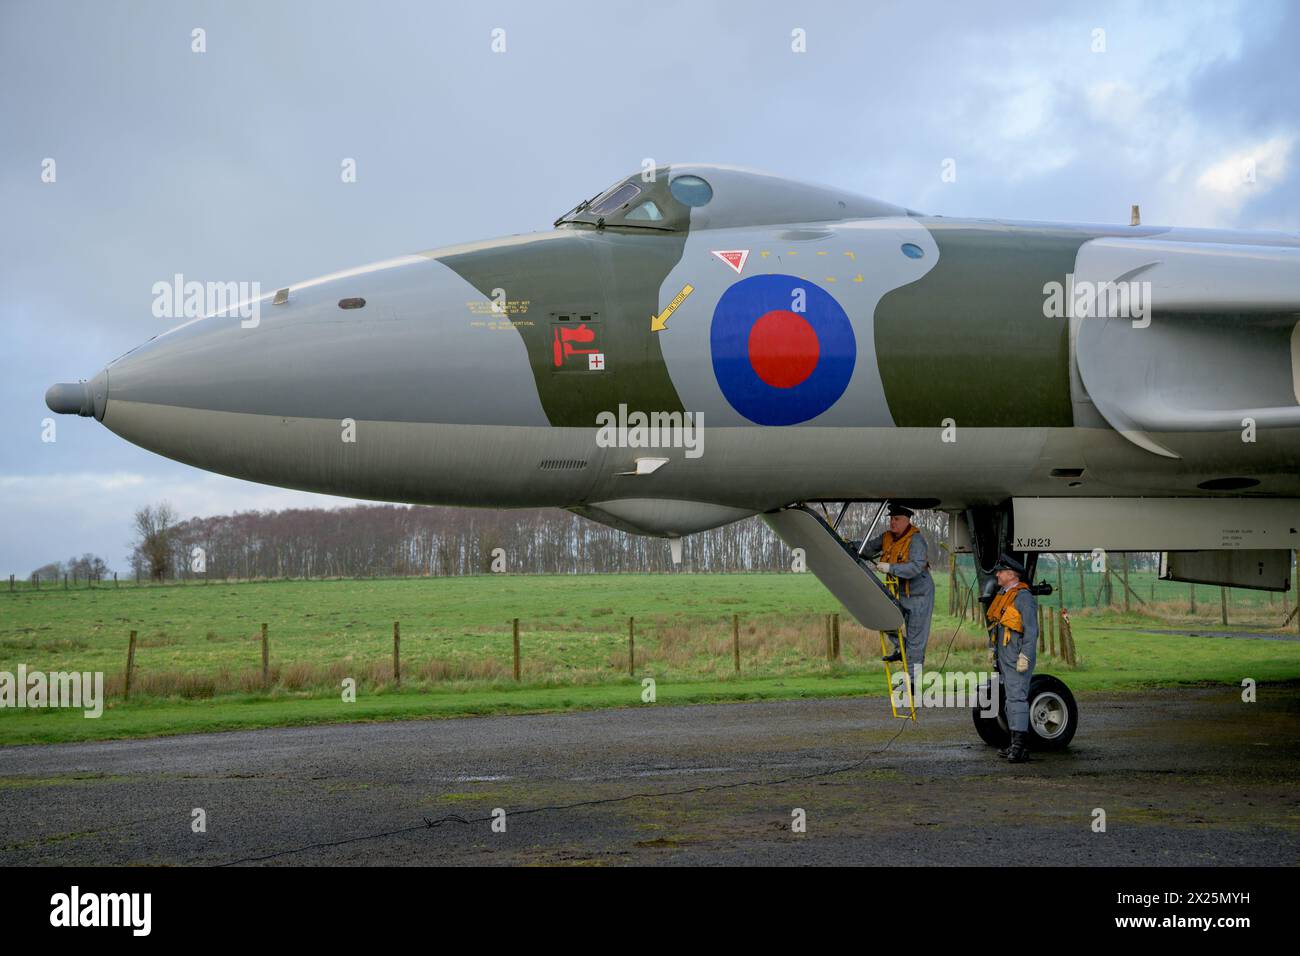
[
  {"x": 612, "y": 276},
  {"x": 969, "y": 341}
]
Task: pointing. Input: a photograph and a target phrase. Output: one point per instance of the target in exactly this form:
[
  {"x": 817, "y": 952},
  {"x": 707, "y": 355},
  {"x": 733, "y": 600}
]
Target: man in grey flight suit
[
  {"x": 1013, "y": 630},
  {"x": 904, "y": 558}
]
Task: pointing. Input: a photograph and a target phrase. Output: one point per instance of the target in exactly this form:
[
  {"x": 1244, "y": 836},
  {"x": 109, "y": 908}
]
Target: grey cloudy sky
[{"x": 225, "y": 165}]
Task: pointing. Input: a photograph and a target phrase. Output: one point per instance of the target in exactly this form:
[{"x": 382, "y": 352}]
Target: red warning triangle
[{"x": 733, "y": 257}]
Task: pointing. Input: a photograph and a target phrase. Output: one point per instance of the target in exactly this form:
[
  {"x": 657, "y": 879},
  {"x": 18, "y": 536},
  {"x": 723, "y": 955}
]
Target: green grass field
[{"x": 198, "y": 652}]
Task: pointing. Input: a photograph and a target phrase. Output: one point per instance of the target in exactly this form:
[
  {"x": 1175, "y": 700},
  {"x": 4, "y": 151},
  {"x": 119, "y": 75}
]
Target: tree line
[
  {"x": 397, "y": 540},
  {"x": 88, "y": 567}
]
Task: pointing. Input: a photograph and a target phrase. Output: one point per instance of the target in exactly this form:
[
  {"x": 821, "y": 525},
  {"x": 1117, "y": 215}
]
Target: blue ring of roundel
[{"x": 743, "y": 304}]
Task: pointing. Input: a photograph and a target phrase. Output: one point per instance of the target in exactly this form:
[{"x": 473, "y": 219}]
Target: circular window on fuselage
[{"x": 690, "y": 190}]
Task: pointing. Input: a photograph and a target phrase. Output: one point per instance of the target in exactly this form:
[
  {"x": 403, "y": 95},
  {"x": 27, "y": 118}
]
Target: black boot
[
  {"x": 1018, "y": 752},
  {"x": 1007, "y": 749},
  {"x": 892, "y": 658}
]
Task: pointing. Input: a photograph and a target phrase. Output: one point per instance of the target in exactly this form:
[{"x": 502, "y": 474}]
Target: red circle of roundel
[{"x": 783, "y": 348}]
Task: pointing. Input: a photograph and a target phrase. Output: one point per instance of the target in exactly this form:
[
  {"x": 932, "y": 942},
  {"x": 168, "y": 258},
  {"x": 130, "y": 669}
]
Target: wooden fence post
[
  {"x": 1051, "y": 633},
  {"x": 735, "y": 640},
  {"x": 1042, "y": 635},
  {"x": 266, "y": 660},
  {"x": 830, "y": 650},
  {"x": 397, "y": 653},
  {"x": 130, "y": 666},
  {"x": 1126, "y": 587},
  {"x": 515, "y": 630},
  {"x": 631, "y": 648},
  {"x": 1127, "y": 591},
  {"x": 1223, "y": 605},
  {"x": 952, "y": 581},
  {"x": 835, "y": 634}
]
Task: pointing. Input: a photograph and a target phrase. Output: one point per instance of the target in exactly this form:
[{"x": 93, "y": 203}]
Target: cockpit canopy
[{"x": 675, "y": 198}]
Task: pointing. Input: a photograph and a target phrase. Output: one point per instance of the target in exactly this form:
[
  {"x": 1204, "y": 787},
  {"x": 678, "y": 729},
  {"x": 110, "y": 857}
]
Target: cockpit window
[
  {"x": 690, "y": 190},
  {"x": 646, "y": 212},
  {"x": 611, "y": 201}
]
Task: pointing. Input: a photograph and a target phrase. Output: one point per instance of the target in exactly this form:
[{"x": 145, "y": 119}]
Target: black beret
[{"x": 896, "y": 511}]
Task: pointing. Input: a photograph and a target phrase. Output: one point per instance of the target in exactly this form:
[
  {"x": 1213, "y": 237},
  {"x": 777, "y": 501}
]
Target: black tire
[
  {"x": 1053, "y": 714},
  {"x": 992, "y": 730},
  {"x": 1053, "y": 720}
]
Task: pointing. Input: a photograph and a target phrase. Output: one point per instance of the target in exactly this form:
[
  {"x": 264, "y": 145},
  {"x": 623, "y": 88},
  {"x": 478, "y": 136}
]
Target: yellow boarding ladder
[{"x": 891, "y": 583}]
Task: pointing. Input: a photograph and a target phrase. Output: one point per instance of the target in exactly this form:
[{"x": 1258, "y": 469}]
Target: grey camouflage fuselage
[{"x": 475, "y": 374}]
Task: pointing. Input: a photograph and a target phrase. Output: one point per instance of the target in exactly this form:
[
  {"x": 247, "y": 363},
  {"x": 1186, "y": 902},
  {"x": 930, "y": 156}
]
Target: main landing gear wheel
[
  {"x": 1053, "y": 714},
  {"x": 1053, "y": 717}
]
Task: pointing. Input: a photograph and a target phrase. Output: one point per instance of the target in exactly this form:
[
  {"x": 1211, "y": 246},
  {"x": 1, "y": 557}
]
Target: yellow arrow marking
[{"x": 660, "y": 322}]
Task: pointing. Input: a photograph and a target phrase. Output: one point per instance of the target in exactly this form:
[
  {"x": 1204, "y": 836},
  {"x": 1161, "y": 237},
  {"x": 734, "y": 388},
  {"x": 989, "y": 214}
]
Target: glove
[
  {"x": 1022, "y": 664},
  {"x": 883, "y": 567}
]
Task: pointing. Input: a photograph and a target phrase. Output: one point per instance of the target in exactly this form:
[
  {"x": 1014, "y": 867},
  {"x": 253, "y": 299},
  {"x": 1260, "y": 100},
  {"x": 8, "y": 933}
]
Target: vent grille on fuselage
[{"x": 562, "y": 464}]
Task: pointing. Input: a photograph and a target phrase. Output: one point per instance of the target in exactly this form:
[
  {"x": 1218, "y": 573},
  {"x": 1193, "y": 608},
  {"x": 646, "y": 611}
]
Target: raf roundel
[{"x": 783, "y": 349}]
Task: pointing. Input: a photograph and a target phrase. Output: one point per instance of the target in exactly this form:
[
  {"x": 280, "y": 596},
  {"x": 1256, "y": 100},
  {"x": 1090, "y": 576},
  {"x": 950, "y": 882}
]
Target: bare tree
[{"x": 152, "y": 549}]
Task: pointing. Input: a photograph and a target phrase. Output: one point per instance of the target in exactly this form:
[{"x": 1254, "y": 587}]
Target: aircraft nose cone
[
  {"x": 79, "y": 398},
  {"x": 69, "y": 398}
]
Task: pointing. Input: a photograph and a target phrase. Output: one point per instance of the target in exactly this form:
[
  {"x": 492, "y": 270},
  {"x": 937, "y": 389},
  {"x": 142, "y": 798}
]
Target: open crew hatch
[{"x": 681, "y": 197}]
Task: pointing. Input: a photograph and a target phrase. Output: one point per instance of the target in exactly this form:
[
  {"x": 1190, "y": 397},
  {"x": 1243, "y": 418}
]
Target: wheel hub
[{"x": 1048, "y": 715}]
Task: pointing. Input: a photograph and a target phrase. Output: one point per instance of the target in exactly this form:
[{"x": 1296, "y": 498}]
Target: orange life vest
[
  {"x": 1003, "y": 611},
  {"x": 895, "y": 551}
]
